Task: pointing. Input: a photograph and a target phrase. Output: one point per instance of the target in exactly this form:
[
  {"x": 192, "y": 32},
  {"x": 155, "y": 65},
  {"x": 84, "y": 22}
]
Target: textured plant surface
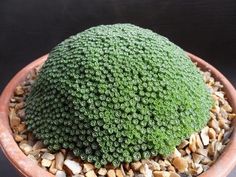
[{"x": 117, "y": 93}]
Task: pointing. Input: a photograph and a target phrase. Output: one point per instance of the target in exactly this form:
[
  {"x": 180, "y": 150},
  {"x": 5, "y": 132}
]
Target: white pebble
[
  {"x": 26, "y": 148},
  {"x": 73, "y": 166},
  {"x": 60, "y": 174},
  {"x": 46, "y": 163},
  {"x": 148, "y": 172},
  {"x": 204, "y": 136},
  {"x": 48, "y": 156}
]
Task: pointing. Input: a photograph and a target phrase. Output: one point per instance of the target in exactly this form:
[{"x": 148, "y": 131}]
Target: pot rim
[{"x": 222, "y": 167}]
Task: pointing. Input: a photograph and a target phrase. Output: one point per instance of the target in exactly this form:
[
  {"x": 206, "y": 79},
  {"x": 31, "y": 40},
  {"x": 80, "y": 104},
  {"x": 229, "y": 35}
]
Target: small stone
[
  {"x": 88, "y": 167},
  {"x": 21, "y": 113},
  {"x": 38, "y": 145},
  {"x": 136, "y": 165},
  {"x": 205, "y": 167},
  {"x": 145, "y": 161},
  {"x": 32, "y": 158},
  {"x": 212, "y": 133},
  {"x": 192, "y": 143},
  {"x": 227, "y": 134},
  {"x": 219, "y": 94},
  {"x": 60, "y": 174},
  {"x": 161, "y": 174},
  {"x": 14, "y": 120},
  {"x": 180, "y": 164},
  {"x": 19, "y": 91},
  {"x": 176, "y": 153},
  {"x": 130, "y": 173},
  {"x": 52, "y": 168},
  {"x": 212, "y": 148},
  {"x": 141, "y": 170},
  {"x": 155, "y": 166},
  {"x": 212, "y": 115},
  {"x": 221, "y": 135},
  {"x": 167, "y": 162},
  {"x": 21, "y": 127},
  {"x": 188, "y": 159},
  {"x": 90, "y": 173},
  {"x": 206, "y": 161},
  {"x": 19, "y": 106},
  {"x": 183, "y": 144},
  {"x": 19, "y": 99},
  {"x": 222, "y": 122},
  {"x": 173, "y": 174},
  {"x": 183, "y": 153},
  {"x": 219, "y": 146},
  {"x": 216, "y": 108},
  {"x": 18, "y": 138},
  {"x": 226, "y": 141},
  {"x": 227, "y": 107},
  {"x": 162, "y": 165},
  {"x": 198, "y": 169},
  {"x": 111, "y": 173},
  {"x": 204, "y": 136},
  {"x": 147, "y": 172},
  {"x": 171, "y": 168},
  {"x": 199, "y": 142},
  {"x": 26, "y": 148},
  {"x": 202, "y": 152},
  {"x": 231, "y": 116},
  {"x": 214, "y": 124},
  {"x": 48, "y": 156},
  {"x": 206, "y": 76},
  {"x": 189, "y": 150},
  {"x": 59, "y": 160},
  {"x": 46, "y": 163},
  {"x": 119, "y": 173},
  {"x": 12, "y": 105},
  {"x": 197, "y": 157},
  {"x": 23, "y": 142},
  {"x": 102, "y": 171},
  {"x": 36, "y": 154},
  {"x": 73, "y": 166}
]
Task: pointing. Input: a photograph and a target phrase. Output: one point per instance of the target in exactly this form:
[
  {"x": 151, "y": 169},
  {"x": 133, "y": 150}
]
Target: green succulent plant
[{"x": 117, "y": 93}]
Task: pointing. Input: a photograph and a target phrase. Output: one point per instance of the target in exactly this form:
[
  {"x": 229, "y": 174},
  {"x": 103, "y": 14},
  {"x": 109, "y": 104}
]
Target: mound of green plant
[{"x": 117, "y": 93}]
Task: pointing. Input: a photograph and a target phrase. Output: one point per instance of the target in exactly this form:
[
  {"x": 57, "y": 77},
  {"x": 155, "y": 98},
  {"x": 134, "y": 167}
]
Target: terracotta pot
[{"x": 26, "y": 167}]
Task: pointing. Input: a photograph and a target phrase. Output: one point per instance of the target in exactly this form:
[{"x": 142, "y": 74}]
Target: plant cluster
[{"x": 117, "y": 93}]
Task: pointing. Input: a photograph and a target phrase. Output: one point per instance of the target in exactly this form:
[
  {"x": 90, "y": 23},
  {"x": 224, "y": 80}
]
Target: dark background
[{"x": 30, "y": 28}]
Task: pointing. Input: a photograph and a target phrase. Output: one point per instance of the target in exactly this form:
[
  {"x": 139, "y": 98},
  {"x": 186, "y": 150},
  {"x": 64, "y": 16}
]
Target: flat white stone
[
  {"x": 148, "y": 172},
  {"x": 46, "y": 163},
  {"x": 48, "y": 156},
  {"x": 73, "y": 166},
  {"x": 60, "y": 174}
]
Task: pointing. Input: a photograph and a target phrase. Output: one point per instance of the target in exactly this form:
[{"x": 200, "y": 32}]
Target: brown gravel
[{"x": 192, "y": 157}]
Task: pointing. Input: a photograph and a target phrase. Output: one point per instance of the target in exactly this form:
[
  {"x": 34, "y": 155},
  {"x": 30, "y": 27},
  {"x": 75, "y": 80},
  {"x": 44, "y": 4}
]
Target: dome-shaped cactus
[{"x": 117, "y": 93}]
